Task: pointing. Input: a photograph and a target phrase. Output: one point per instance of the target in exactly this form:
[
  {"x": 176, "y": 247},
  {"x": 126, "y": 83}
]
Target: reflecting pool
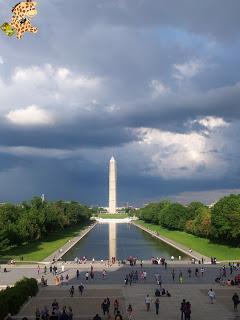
[{"x": 121, "y": 240}]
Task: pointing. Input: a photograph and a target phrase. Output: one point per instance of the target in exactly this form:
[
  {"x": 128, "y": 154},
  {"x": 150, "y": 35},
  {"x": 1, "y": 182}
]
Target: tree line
[
  {"x": 33, "y": 220},
  {"x": 221, "y": 223}
]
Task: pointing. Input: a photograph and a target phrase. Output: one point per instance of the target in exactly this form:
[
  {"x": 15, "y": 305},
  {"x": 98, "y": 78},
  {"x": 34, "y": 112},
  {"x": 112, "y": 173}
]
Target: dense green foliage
[
  {"x": 30, "y": 221},
  {"x": 13, "y": 298},
  {"x": 220, "y": 223},
  {"x": 226, "y": 219}
]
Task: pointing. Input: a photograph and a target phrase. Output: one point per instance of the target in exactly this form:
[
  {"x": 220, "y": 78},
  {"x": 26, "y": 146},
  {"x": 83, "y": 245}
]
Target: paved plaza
[{"x": 193, "y": 289}]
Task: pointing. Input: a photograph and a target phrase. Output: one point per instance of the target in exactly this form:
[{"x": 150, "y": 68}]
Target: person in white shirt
[
  {"x": 211, "y": 295},
  {"x": 147, "y": 302}
]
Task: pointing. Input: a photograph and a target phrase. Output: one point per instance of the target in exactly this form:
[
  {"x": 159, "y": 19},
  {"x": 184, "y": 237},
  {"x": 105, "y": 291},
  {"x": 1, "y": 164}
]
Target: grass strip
[
  {"x": 201, "y": 245},
  {"x": 41, "y": 249},
  {"x": 113, "y": 216}
]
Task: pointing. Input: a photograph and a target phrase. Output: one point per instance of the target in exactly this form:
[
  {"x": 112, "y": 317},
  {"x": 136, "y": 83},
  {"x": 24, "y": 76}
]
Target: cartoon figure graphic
[{"x": 23, "y": 12}]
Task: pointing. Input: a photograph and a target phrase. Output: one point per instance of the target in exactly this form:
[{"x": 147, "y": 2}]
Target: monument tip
[{"x": 112, "y": 159}]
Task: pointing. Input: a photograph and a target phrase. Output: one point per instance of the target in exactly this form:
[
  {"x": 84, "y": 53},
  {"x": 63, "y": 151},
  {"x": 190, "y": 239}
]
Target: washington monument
[{"x": 112, "y": 186}]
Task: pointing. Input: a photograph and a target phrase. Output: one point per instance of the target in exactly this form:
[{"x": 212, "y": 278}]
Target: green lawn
[
  {"x": 39, "y": 250},
  {"x": 201, "y": 245},
  {"x": 113, "y": 216}
]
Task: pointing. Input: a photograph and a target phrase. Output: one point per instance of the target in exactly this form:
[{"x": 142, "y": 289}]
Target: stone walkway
[{"x": 88, "y": 305}]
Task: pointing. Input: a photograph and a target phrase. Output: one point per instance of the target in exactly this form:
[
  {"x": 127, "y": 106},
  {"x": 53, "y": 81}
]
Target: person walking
[
  {"x": 71, "y": 291},
  {"x": 129, "y": 311},
  {"x": 87, "y": 275},
  {"x": 182, "y": 309},
  {"x": 77, "y": 273},
  {"x": 116, "y": 306},
  {"x": 236, "y": 301},
  {"x": 104, "y": 306},
  {"x": 108, "y": 305},
  {"x": 157, "y": 303},
  {"x": 202, "y": 271},
  {"x": 173, "y": 274},
  {"x": 147, "y": 302},
  {"x": 67, "y": 279},
  {"x": 211, "y": 295},
  {"x": 81, "y": 288},
  {"x": 189, "y": 272}
]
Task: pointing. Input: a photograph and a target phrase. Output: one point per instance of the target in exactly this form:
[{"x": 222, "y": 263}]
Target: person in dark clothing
[
  {"x": 71, "y": 291},
  {"x": 116, "y": 306},
  {"x": 53, "y": 316},
  {"x": 108, "y": 305},
  {"x": 157, "y": 303},
  {"x": 118, "y": 316},
  {"x": 157, "y": 293},
  {"x": 182, "y": 309},
  {"x": 97, "y": 317},
  {"x": 64, "y": 315},
  {"x": 104, "y": 306},
  {"x": 81, "y": 288},
  {"x": 236, "y": 301},
  {"x": 187, "y": 311}
]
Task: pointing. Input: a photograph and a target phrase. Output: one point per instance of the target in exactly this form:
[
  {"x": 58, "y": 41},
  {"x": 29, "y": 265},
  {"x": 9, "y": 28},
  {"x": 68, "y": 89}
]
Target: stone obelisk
[{"x": 112, "y": 186}]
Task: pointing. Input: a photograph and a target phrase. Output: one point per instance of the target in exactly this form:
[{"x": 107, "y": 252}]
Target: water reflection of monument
[{"x": 112, "y": 239}]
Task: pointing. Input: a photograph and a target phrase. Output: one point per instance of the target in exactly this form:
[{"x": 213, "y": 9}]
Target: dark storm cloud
[{"x": 72, "y": 136}]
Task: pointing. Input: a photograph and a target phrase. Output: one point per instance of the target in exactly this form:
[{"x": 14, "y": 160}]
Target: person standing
[
  {"x": 87, "y": 275},
  {"x": 188, "y": 311},
  {"x": 147, "y": 302},
  {"x": 211, "y": 295},
  {"x": 173, "y": 274},
  {"x": 77, "y": 273},
  {"x": 189, "y": 272},
  {"x": 129, "y": 311},
  {"x": 202, "y": 271},
  {"x": 182, "y": 309},
  {"x": 157, "y": 303},
  {"x": 236, "y": 301}
]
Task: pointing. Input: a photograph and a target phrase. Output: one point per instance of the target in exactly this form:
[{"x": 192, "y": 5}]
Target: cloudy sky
[{"x": 155, "y": 83}]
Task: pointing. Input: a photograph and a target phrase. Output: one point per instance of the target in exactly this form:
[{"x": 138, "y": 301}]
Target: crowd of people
[{"x": 55, "y": 312}]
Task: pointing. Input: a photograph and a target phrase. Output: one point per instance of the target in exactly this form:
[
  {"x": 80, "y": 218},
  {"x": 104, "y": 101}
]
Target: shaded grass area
[
  {"x": 41, "y": 249},
  {"x": 201, "y": 245},
  {"x": 113, "y": 216}
]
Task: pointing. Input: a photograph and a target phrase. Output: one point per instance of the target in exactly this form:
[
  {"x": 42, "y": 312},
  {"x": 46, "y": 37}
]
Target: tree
[
  {"x": 201, "y": 225},
  {"x": 226, "y": 219},
  {"x": 194, "y": 207},
  {"x": 174, "y": 216}
]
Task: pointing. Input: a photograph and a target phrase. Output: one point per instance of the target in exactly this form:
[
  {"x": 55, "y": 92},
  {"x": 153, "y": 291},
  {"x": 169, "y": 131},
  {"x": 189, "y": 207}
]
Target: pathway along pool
[{"x": 121, "y": 240}]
